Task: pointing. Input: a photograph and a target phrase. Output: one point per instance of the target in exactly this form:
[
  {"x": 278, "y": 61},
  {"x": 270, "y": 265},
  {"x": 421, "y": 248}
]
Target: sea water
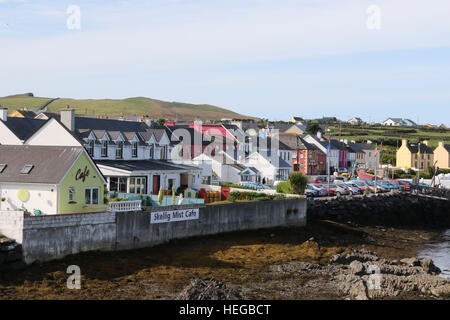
[{"x": 439, "y": 252}]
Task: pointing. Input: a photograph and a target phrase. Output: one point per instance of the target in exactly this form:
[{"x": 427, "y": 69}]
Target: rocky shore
[{"x": 363, "y": 275}]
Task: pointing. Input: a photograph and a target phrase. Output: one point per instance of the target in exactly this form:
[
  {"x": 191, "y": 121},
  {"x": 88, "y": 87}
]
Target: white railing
[{"x": 123, "y": 206}]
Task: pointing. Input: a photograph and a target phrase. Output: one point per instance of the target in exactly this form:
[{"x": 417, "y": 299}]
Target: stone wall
[
  {"x": 46, "y": 238},
  {"x": 11, "y": 224},
  {"x": 10, "y": 255},
  {"x": 395, "y": 209}
]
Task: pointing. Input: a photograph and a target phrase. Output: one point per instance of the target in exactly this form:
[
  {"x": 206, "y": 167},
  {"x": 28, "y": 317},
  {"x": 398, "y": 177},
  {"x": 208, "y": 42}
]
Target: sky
[{"x": 270, "y": 59}]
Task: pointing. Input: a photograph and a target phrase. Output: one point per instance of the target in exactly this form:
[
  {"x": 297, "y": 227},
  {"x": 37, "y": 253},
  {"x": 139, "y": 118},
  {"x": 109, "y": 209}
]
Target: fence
[{"x": 123, "y": 206}]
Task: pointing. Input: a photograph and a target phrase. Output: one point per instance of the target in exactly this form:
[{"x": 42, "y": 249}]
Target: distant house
[
  {"x": 409, "y": 123},
  {"x": 356, "y": 121},
  {"x": 297, "y": 120},
  {"x": 273, "y": 130},
  {"x": 394, "y": 122},
  {"x": 418, "y": 156},
  {"x": 442, "y": 155}
]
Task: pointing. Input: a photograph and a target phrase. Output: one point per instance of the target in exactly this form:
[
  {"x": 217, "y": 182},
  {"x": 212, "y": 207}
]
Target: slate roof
[
  {"x": 145, "y": 165},
  {"x": 414, "y": 148},
  {"x": 50, "y": 163},
  {"x": 23, "y": 128}
]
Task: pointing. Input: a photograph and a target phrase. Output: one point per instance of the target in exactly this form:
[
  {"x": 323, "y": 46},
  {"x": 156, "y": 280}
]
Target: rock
[
  {"x": 359, "y": 291},
  {"x": 428, "y": 266},
  {"x": 411, "y": 262},
  {"x": 208, "y": 289},
  {"x": 357, "y": 268}
]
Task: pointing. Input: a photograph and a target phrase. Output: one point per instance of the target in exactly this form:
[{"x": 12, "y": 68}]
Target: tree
[
  {"x": 298, "y": 182},
  {"x": 312, "y": 128}
]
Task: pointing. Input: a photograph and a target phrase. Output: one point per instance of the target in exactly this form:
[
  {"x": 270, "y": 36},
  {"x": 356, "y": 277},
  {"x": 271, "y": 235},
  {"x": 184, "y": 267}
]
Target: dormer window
[
  {"x": 135, "y": 150},
  {"x": 90, "y": 148},
  {"x": 105, "y": 149},
  {"x": 119, "y": 150},
  {"x": 152, "y": 151}
]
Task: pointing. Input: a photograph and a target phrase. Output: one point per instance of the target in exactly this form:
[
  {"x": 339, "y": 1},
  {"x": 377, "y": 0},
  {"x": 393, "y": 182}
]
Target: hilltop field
[{"x": 132, "y": 106}]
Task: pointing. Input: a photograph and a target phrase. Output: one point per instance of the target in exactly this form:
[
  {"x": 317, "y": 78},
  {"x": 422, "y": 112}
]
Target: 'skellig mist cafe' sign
[{"x": 176, "y": 215}]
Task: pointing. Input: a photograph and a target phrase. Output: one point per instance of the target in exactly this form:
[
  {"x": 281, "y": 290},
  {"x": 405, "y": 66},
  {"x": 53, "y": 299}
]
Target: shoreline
[{"x": 241, "y": 260}]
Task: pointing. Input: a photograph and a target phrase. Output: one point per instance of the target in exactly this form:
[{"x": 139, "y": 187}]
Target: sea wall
[
  {"x": 46, "y": 238},
  {"x": 390, "y": 209}
]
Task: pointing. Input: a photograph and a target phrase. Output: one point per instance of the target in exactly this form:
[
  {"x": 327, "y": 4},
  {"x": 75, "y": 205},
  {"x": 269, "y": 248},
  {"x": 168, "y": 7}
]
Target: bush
[
  {"x": 251, "y": 196},
  {"x": 284, "y": 187},
  {"x": 298, "y": 182}
]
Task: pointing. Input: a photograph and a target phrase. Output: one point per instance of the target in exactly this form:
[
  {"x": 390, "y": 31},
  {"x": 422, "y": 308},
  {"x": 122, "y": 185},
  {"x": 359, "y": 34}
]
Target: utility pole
[{"x": 418, "y": 162}]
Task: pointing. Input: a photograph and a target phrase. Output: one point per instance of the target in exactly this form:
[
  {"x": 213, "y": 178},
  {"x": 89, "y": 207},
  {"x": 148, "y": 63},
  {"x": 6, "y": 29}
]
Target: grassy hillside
[{"x": 131, "y": 106}]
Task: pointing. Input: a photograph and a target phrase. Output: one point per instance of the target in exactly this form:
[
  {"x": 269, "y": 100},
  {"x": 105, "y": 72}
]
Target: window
[
  {"x": 135, "y": 150},
  {"x": 138, "y": 185},
  {"x": 302, "y": 156},
  {"x": 170, "y": 184},
  {"x": 90, "y": 148},
  {"x": 27, "y": 169},
  {"x": 118, "y": 184},
  {"x": 152, "y": 151},
  {"x": 72, "y": 192},
  {"x": 104, "y": 149},
  {"x": 119, "y": 150},
  {"x": 91, "y": 195},
  {"x": 164, "y": 153}
]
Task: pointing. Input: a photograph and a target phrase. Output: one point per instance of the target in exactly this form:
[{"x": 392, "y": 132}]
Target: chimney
[
  {"x": 319, "y": 134},
  {"x": 404, "y": 142},
  {"x": 3, "y": 114},
  {"x": 441, "y": 143},
  {"x": 425, "y": 142},
  {"x": 68, "y": 118}
]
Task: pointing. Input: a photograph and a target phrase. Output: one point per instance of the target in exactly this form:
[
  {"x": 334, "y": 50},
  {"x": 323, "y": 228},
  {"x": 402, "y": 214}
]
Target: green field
[{"x": 131, "y": 106}]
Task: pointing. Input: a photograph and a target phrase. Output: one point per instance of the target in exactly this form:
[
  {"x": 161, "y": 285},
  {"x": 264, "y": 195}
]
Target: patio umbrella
[{"x": 160, "y": 196}]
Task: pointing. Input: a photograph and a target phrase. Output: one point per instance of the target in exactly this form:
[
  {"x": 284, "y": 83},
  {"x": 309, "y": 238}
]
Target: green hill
[{"x": 132, "y": 106}]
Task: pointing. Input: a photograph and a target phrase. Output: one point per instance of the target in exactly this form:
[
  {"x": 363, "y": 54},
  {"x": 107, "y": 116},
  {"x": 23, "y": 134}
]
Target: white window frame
[{"x": 91, "y": 193}]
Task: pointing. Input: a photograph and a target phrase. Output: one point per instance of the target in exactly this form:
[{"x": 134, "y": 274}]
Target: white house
[
  {"x": 394, "y": 122},
  {"x": 356, "y": 121},
  {"x": 270, "y": 166}
]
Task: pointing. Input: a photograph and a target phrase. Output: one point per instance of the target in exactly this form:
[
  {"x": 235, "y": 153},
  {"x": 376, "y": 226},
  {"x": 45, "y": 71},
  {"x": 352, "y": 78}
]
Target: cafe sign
[{"x": 175, "y": 215}]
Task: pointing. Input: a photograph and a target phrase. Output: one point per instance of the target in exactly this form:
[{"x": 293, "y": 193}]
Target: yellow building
[
  {"x": 22, "y": 113},
  {"x": 442, "y": 155},
  {"x": 416, "y": 156}
]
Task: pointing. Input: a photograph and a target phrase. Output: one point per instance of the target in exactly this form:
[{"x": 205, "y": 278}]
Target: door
[{"x": 156, "y": 184}]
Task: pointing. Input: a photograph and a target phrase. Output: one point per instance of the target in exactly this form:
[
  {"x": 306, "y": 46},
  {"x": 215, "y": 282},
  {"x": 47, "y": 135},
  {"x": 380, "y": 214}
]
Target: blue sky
[{"x": 271, "y": 59}]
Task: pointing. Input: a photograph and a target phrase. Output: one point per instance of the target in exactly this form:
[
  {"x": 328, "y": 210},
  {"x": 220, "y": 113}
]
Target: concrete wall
[
  {"x": 53, "y": 237},
  {"x": 11, "y": 224},
  {"x": 46, "y": 238},
  {"x": 135, "y": 230}
]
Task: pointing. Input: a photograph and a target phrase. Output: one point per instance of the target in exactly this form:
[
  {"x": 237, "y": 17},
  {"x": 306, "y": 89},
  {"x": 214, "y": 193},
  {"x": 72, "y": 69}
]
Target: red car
[{"x": 404, "y": 185}]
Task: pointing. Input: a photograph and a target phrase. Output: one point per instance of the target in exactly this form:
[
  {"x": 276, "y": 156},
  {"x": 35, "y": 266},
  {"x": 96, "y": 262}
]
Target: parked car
[
  {"x": 310, "y": 191},
  {"x": 354, "y": 188},
  {"x": 330, "y": 191},
  {"x": 341, "y": 189},
  {"x": 405, "y": 184},
  {"x": 387, "y": 185},
  {"x": 340, "y": 179},
  {"x": 319, "y": 188},
  {"x": 400, "y": 186},
  {"x": 371, "y": 186}
]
